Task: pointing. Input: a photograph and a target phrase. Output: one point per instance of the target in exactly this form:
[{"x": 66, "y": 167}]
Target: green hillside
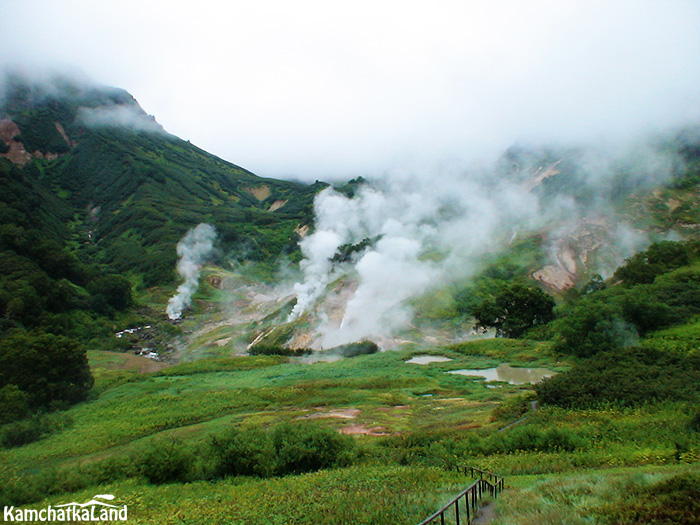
[
  {"x": 132, "y": 190},
  {"x": 94, "y": 197}
]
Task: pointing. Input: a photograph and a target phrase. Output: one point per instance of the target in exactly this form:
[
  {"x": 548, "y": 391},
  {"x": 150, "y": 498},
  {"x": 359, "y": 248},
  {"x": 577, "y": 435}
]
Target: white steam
[
  {"x": 194, "y": 249},
  {"x": 428, "y": 232},
  {"x": 424, "y": 232}
]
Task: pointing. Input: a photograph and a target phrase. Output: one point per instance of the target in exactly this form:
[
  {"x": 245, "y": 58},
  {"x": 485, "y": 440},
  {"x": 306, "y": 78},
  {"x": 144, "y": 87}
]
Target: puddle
[
  {"x": 508, "y": 374},
  {"x": 427, "y": 359}
]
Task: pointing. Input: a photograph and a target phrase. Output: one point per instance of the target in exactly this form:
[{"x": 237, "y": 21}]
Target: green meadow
[{"x": 410, "y": 426}]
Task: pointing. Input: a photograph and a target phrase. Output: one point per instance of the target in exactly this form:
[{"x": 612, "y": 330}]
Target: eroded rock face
[
  {"x": 554, "y": 277},
  {"x": 277, "y": 205},
  {"x": 17, "y": 154},
  {"x": 572, "y": 252}
]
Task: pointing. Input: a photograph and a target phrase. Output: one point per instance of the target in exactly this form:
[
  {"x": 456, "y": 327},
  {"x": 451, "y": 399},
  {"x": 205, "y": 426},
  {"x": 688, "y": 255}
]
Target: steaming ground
[
  {"x": 416, "y": 236},
  {"x": 431, "y": 233},
  {"x": 194, "y": 249}
]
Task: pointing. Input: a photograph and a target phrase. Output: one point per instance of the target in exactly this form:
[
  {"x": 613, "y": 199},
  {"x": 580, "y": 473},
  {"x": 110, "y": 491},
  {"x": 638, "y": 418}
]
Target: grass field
[{"x": 411, "y": 424}]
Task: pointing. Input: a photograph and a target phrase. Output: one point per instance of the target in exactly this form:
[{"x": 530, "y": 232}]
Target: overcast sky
[{"x": 324, "y": 89}]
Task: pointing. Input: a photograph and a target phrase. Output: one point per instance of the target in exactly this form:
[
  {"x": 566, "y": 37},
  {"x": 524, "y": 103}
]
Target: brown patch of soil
[
  {"x": 63, "y": 133},
  {"x": 572, "y": 252},
  {"x": 276, "y": 205},
  {"x": 673, "y": 204},
  {"x": 260, "y": 192},
  {"x": 554, "y": 277},
  {"x": 17, "y": 154},
  {"x": 362, "y": 430},
  {"x": 133, "y": 362},
  {"x": 541, "y": 175},
  {"x": 143, "y": 364},
  {"x": 302, "y": 231},
  {"x": 217, "y": 282},
  {"x": 340, "y": 413}
]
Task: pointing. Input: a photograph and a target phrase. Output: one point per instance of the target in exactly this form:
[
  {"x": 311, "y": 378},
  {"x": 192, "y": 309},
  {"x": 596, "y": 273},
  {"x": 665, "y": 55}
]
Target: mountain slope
[{"x": 132, "y": 189}]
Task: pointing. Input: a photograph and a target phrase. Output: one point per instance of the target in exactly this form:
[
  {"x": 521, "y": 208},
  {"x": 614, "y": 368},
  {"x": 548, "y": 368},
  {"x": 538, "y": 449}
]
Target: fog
[
  {"x": 321, "y": 90},
  {"x": 120, "y": 116}
]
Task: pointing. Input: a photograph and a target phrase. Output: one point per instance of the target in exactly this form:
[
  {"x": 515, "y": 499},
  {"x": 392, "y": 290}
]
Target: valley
[{"x": 345, "y": 349}]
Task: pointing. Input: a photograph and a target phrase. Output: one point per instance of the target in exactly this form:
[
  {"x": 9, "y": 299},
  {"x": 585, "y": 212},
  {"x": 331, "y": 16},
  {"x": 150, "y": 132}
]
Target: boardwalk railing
[{"x": 466, "y": 503}]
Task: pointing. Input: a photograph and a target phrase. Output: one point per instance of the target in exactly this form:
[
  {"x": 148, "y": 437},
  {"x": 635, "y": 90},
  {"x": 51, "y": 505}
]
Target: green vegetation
[
  {"x": 90, "y": 225},
  {"x": 660, "y": 495},
  {"x": 624, "y": 376},
  {"x": 514, "y": 310},
  {"x": 667, "y": 294},
  {"x": 127, "y": 196},
  {"x": 285, "y": 449},
  {"x": 260, "y": 416},
  {"x": 50, "y": 371},
  {"x": 346, "y": 252}
]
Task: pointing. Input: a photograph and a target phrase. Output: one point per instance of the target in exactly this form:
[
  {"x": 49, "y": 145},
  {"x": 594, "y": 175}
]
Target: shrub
[
  {"x": 630, "y": 376},
  {"x": 52, "y": 370},
  {"x": 165, "y": 461},
  {"x": 263, "y": 349},
  {"x": 111, "y": 291},
  {"x": 593, "y": 326},
  {"x": 675, "y": 501},
  {"x": 513, "y": 407},
  {"x": 306, "y": 448},
  {"x": 532, "y": 439},
  {"x": 14, "y": 404},
  {"x": 287, "y": 449},
  {"x": 355, "y": 349},
  {"x": 243, "y": 453},
  {"x": 29, "y": 430},
  {"x": 694, "y": 423},
  {"x": 659, "y": 258}
]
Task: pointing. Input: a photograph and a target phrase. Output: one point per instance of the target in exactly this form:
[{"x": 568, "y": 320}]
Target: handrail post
[{"x": 466, "y": 504}]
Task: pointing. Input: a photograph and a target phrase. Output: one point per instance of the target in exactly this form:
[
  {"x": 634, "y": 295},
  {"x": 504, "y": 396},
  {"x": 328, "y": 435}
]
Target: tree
[
  {"x": 52, "y": 370},
  {"x": 112, "y": 290},
  {"x": 593, "y": 325},
  {"x": 13, "y": 404},
  {"x": 515, "y": 309},
  {"x": 659, "y": 258}
]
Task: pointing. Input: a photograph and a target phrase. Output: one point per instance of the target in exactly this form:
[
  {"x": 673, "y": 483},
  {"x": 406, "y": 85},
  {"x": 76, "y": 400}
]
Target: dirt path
[{"x": 486, "y": 514}]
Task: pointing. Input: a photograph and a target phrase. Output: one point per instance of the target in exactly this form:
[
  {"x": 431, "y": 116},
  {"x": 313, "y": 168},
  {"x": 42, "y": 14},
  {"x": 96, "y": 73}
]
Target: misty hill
[
  {"x": 131, "y": 190},
  {"x": 94, "y": 197}
]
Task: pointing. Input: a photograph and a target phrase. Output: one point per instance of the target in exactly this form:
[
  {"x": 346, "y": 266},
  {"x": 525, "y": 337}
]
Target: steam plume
[
  {"x": 194, "y": 249},
  {"x": 429, "y": 232}
]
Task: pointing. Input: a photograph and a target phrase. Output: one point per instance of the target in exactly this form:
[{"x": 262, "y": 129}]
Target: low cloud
[
  {"x": 322, "y": 90},
  {"x": 120, "y": 116}
]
